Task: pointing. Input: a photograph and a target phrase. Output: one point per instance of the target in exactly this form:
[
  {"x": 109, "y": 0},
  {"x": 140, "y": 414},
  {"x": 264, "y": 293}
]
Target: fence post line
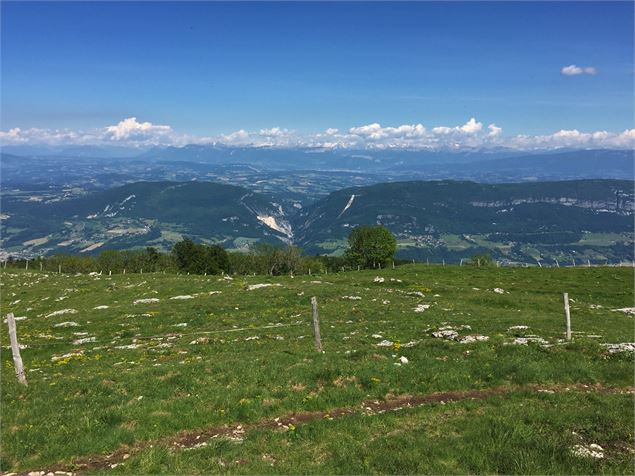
[
  {"x": 393, "y": 264},
  {"x": 567, "y": 316},
  {"x": 26, "y": 267},
  {"x": 40, "y": 265},
  {"x": 15, "y": 350},
  {"x": 316, "y": 324},
  {"x": 461, "y": 264}
]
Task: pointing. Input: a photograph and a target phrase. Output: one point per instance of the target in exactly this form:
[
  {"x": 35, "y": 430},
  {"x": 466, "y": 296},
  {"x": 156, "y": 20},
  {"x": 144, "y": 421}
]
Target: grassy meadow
[{"x": 132, "y": 364}]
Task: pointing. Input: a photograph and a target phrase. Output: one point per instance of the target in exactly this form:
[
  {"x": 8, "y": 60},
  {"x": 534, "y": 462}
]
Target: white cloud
[
  {"x": 130, "y": 128},
  {"x": 470, "y": 127},
  {"x": 573, "y": 70},
  {"x": 132, "y": 133},
  {"x": 494, "y": 130}
]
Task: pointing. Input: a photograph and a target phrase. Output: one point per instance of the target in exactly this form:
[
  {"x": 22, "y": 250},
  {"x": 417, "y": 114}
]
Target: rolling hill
[
  {"x": 448, "y": 219},
  {"x": 584, "y": 219},
  {"x": 144, "y": 213}
]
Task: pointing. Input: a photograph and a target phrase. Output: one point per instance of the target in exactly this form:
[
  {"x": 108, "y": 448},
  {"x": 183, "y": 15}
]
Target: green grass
[
  {"x": 605, "y": 239},
  {"x": 90, "y": 404}
]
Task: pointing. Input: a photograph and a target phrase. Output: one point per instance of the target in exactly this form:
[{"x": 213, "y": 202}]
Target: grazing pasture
[{"x": 429, "y": 370}]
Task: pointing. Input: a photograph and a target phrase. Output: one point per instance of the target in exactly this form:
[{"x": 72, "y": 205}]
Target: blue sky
[{"x": 208, "y": 68}]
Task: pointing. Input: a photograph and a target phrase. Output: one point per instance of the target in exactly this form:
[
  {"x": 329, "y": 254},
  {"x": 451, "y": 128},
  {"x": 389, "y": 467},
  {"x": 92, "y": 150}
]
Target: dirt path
[{"x": 197, "y": 438}]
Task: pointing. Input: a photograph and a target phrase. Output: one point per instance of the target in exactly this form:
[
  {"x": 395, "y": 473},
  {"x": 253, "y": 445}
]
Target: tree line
[{"x": 368, "y": 247}]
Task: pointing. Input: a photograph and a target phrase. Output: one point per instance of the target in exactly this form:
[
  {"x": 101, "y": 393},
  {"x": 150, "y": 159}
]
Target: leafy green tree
[
  {"x": 199, "y": 258},
  {"x": 481, "y": 259},
  {"x": 369, "y": 246}
]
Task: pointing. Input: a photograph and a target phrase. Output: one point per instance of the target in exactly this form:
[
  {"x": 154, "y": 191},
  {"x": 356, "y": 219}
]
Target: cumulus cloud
[
  {"x": 470, "y": 127},
  {"x": 471, "y": 134},
  {"x": 573, "y": 70},
  {"x": 494, "y": 130},
  {"x": 131, "y": 129}
]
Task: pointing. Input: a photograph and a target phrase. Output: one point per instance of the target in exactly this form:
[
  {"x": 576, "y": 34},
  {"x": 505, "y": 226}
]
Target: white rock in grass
[
  {"x": 377, "y": 336},
  {"x": 449, "y": 334},
  {"x": 67, "y": 324},
  {"x": 473, "y": 338},
  {"x": 384, "y": 343},
  {"x": 62, "y": 312},
  {"x": 65, "y": 356},
  {"x": 251, "y": 287},
  {"x": 403, "y": 360},
  {"x": 621, "y": 347},
  {"x": 352, "y": 298},
  {"x": 527, "y": 340},
  {"x": 85, "y": 340},
  {"x": 412, "y": 343},
  {"x": 101, "y": 307},
  {"x": 129, "y": 346},
  {"x": 499, "y": 290},
  {"x": 415, "y": 293},
  {"x": 378, "y": 279},
  {"x": 181, "y": 298},
  {"x": 146, "y": 301},
  {"x": 518, "y": 328},
  {"x": 588, "y": 451},
  {"x": 17, "y": 318},
  {"x": 626, "y": 310},
  {"x": 421, "y": 307}
]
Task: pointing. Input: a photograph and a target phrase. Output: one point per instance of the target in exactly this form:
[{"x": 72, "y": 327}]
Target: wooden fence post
[
  {"x": 567, "y": 316},
  {"x": 557, "y": 264},
  {"x": 27, "y": 265},
  {"x": 461, "y": 262},
  {"x": 316, "y": 324},
  {"x": 443, "y": 261},
  {"x": 393, "y": 265},
  {"x": 40, "y": 265},
  {"x": 15, "y": 350},
  {"x": 59, "y": 269}
]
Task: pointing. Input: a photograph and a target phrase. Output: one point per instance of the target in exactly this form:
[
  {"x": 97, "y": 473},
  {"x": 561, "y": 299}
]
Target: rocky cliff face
[{"x": 622, "y": 203}]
